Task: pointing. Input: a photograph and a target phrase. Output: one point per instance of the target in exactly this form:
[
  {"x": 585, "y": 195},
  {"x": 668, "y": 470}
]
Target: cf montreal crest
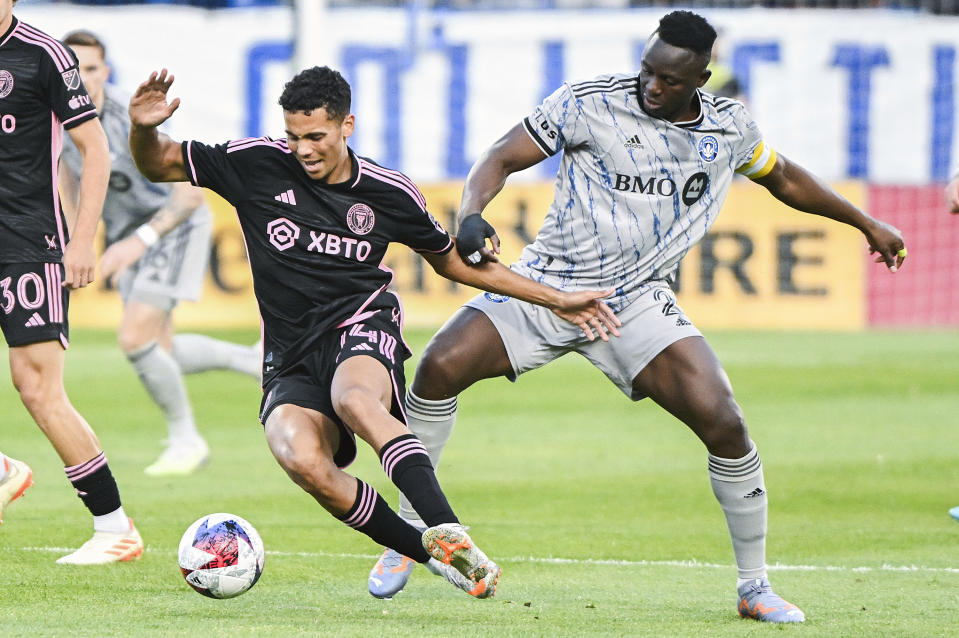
[
  {"x": 6, "y": 83},
  {"x": 708, "y": 148},
  {"x": 360, "y": 219}
]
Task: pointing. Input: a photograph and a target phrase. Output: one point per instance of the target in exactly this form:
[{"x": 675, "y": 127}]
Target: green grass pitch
[{"x": 599, "y": 510}]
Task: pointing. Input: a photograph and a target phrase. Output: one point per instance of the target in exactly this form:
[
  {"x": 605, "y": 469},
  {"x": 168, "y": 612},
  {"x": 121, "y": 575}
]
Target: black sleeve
[
  {"x": 418, "y": 229},
  {"x": 214, "y": 168},
  {"x": 64, "y": 92}
]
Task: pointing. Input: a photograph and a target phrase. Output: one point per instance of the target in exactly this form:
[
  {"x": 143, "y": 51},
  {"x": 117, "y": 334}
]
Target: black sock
[
  {"x": 371, "y": 515},
  {"x": 407, "y": 463},
  {"x": 95, "y": 485}
]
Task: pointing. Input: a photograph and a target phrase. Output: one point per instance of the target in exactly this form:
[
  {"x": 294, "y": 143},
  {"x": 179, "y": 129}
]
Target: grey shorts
[
  {"x": 173, "y": 268},
  {"x": 534, "y": 336}
]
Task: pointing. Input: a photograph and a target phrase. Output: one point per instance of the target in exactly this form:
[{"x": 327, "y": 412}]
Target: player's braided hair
[
  {"x": 687, "y": 30},
  {"x": 317, "y": 87}
]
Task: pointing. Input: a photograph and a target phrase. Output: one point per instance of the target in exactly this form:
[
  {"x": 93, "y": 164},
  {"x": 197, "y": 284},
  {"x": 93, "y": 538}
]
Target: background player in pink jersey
[{"x": 39, "y": 265}]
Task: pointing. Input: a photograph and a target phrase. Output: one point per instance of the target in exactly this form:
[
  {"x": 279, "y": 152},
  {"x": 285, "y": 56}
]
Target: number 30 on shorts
[{"x": 29, "y": 291}]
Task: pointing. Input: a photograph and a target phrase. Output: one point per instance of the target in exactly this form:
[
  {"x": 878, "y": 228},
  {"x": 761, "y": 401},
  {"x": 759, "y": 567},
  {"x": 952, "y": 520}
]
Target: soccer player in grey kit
[
  {"x": 158, "y": 241},
  {"x": 40, "y": 262},
  {"x": 646, "y": 165}
]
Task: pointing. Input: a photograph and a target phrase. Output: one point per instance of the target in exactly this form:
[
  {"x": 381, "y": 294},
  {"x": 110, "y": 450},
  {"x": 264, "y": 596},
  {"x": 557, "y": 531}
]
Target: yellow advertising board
[{"x": 763, "y": 265}]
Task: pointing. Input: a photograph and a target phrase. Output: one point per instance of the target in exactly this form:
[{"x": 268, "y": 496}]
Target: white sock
[
  {"x": 3, "y": 466},
  {"x": 199, "y": 353},
  {"x": 739, "y": 487},
  {"x": 163, "y": 380},
  {"x": 115, "y": 522},
  {"x": 432, "y": 422}
]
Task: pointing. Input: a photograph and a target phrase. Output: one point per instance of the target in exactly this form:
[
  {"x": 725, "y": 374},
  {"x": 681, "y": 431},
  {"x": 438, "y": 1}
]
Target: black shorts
[
  {"x": 33, "y": 303},
  {"x": 307, "y": 382}
]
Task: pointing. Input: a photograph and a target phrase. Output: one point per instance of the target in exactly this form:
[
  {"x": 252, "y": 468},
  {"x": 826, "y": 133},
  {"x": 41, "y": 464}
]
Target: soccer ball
[{"x": 221, "y": 555}]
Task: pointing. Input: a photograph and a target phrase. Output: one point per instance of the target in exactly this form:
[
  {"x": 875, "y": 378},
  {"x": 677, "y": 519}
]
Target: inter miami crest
[
  {"x": 6, "y": 83},
  {"x": 360, "y": 219}
]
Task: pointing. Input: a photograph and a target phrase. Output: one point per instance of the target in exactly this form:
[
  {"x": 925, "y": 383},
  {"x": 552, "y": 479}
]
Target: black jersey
[
  {"x": 40, "y": 95},
  {"x": 316, "y": 250}
]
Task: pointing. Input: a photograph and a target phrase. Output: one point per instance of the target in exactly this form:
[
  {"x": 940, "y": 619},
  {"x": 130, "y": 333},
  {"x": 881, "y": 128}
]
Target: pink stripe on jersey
[
  {"x": 394, "y": 178},
  {"x": 250, "y": 142},
  {"x": 56, "y": 145},
  {"x": 58, "y": 46},
  {"x": 75, "y": 472},
  {"x": 398, "y": 176},
  {"x": 189, "y": 160},
  {"x": 54, "y": 49},
  {"x": 440, "y": 251},
  {"x": 359, "y": 311},
  {"x": 77, "y": 117},
  {"x": 356, "y": 319}
]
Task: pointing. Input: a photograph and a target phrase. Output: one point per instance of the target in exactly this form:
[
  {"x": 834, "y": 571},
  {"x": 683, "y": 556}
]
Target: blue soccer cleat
[
  {"x": 954, "y": 512},
  {"x": 388, "y": 577},
  {"x": 758, "y": 600}
]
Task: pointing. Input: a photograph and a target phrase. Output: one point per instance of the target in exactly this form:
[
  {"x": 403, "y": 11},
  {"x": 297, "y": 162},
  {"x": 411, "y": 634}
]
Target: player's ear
[
  {"x": 704, "y": 77},
  {"x": 348, "y": 124}
]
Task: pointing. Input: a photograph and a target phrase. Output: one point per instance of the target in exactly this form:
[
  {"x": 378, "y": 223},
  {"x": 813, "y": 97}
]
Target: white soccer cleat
[
  {"x": 107, "y": 547},
  {"x": 180, "y": 458},
  {"x": 18, "y": 478}
]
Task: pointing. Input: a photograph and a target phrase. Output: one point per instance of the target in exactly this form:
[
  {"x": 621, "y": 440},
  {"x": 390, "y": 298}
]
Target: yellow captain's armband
[{"x": 760, "y": 164}]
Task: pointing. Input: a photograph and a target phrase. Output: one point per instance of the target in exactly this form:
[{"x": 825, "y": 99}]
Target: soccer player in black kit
[
  {"x": 317, "y": 220},
  {"x": 40, "y": 96}
]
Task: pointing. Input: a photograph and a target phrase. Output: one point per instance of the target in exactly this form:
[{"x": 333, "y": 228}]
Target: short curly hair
[
  {"x": 687, "y": 30},
  {"x": 317, "y": 87}
]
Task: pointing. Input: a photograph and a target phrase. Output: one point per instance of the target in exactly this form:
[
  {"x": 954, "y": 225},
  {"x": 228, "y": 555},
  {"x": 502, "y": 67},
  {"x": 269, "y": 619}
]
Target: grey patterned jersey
[
  {"x": 131, "y": 199},
  {"x": 633, "y": 193}
]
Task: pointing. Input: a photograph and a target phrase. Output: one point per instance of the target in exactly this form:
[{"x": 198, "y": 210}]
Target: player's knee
[
  {"x": 437, "y": 371},
  {"x": 726, "y": 434},
  {"x": 354, "y": 405},
  {"x": 36, "y": 392},
  {"x": 305, "y": 466},
  {"x": 131, "y": 341}
]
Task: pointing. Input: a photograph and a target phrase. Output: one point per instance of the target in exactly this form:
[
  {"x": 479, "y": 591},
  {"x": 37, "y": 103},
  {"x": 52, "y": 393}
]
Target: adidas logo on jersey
[
  {"x": 362, "y": 346},
  {"x": 35, "y": 321},
  {"x": 286, "y": 198},
  {"x": 634, "y": 142}
]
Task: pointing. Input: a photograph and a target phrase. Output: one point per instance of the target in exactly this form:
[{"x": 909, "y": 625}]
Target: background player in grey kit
[
  {"x": 158, "y": 242},
  {"x": 646, "y": 165},
  {"x": 40, "y": 262},
  {"x": 318, "y": 220}
]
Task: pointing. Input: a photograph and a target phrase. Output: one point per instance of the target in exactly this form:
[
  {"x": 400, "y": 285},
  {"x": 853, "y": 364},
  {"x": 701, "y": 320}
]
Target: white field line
[{"x": 692, "y": 564}]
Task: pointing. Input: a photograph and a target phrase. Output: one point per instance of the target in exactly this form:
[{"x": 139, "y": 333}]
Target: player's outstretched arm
[
  {"x": 586, "y": 308},
  {"x": 796, "y": 187},
  {"x": 157, "y": 156},
  {"x": 79, "y": 258},
  {"x": 513, "y": 152},
  {"x": 183, "y": 201},
  {"x": 952, "y": 195}
]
